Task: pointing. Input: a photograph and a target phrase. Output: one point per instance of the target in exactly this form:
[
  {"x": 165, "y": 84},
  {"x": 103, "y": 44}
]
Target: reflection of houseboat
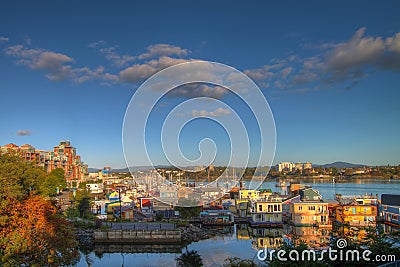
[
  {"x": 217, "y": 217},
  {"x": 310, "y": 213},
  {"x": 266, "y": 238},
  {"x": 313, "y": 236},
  {"x": 266, "y": 212}
]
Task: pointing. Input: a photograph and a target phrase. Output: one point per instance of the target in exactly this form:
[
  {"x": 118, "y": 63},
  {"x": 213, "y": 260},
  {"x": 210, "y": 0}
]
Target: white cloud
[
  {"x": 55, "y": 64},
  {"x": 4, "y": 39},
  {"x": 198, "y": 90},
  {"x": 115, "y": 58},
  {"x": 393, "y": 43},
  {"x": 140, "y": 72},
  {"x": 216, "y": 113},
  {"x": 158, "y": 50},
  {"x": 136, "y": 73},
  {"x": 333, "y": 64},
  {"x": 357, "y": 52}
]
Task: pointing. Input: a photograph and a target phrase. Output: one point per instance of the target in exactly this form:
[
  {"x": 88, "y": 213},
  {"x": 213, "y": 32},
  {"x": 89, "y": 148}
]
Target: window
[
  {"x": 259, "y": 207},
  {"x": 300, "y": 207},
  {"x": 311, "y": 207},
  {"x": 279, "y": 207},
  {"x": 275, "y": 208}
]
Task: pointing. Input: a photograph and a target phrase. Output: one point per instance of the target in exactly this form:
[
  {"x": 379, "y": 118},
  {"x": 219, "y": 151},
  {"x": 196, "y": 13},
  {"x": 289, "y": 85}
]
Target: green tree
[
  {"x": 19, "y": 178},
  {"x": 55, "y": 179}
]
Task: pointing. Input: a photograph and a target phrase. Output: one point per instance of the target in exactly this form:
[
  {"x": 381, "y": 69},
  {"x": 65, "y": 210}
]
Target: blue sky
[{"x": 330, "y": 72}]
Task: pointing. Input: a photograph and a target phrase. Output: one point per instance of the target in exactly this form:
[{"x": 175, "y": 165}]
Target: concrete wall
[{"x": 137, "y": 236}]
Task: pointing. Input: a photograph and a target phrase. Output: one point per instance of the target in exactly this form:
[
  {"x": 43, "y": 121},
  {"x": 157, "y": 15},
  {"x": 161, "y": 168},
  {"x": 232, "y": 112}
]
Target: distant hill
[
  {"x": 134, "y": 169},
  {"x": 93, "y": 170},
  {"x": 341, "y": 165}
]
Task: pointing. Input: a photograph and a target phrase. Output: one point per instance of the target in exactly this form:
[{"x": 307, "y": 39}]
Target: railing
[{"x": 391, "y": 264}]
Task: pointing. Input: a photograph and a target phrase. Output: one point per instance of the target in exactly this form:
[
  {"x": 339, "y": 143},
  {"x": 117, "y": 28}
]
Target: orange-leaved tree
[{"x": 32, "y": 229}]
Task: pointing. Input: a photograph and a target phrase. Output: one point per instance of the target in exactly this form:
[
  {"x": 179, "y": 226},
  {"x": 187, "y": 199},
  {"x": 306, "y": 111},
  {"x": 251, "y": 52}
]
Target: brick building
[{"x": 63, "y": 156}]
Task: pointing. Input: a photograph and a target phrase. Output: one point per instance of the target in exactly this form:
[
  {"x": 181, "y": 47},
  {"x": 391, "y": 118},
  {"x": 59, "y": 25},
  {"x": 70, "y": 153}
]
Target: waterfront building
[
  {"x": 357, "y": 210},
  {"x": 390, "y": 209},
  {"x": 266, "y": 212},
  {"x": 242, "y": 207},
  {"x": 217, "y": 217},
  {"x": 63, "y": 156},
  {"x": 285, "y": 166},
  {"x": 298, "y": 166},
  {"x": 286, "y": 216},
  {"x": 169, "y": 193},
  {"x": 307, "y": 166},
  {"x": 310, "y": 213},
  {"x": 249, "y": 194},
  {"x": 160, "y": 205},
  {"x": 309, "y": 193},
  {"x": 95, "y": 188}
]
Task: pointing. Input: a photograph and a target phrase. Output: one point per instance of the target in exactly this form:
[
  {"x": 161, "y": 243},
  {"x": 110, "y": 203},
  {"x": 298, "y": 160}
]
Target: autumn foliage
[{"x": 32, "y": 230}]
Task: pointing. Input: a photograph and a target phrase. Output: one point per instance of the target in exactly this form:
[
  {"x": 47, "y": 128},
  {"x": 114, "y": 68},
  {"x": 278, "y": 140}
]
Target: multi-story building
[
  {"x": 307, "y": 166},
  {"x": 298, "y": 166},
  {"x": 285, "y": 166},
  {"x": 266, "y": 212},
  {"x": 357, "y": 211},
  {"x": 63, "y": 156},
  {"x": 390, "y": 209}
]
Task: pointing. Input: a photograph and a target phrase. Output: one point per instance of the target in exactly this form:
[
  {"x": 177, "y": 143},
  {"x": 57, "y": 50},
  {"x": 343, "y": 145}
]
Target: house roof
[
  {"x": 392, "y": 200},
  {"x": 309, "y": 194}
]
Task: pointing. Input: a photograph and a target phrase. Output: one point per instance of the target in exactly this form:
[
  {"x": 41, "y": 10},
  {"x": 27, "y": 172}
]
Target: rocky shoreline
[
  {"x": 85, "y": 238},
  {"x": 193, "y": 233}
]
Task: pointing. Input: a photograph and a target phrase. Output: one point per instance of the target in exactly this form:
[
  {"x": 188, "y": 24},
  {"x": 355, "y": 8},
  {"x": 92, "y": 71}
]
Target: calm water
[{"x": 240, "y": 241}]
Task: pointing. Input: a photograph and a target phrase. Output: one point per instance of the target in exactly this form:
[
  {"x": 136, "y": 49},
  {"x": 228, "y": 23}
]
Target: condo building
[{"x": 63, "y": 156}]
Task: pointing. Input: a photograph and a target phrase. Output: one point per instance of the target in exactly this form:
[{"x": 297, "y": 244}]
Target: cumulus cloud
[
  {"x": 216, "y": 113},
  {"x": 357, "y": 52},
  {"x": 111, "y": 54},
  {"x": 117, "y": 59},
  {"x": 54, "y": 64},
  {"x": 4, "y": 39},
  {"x": 343, "y": 63},
  {"x": 23, "y": 132},
  {"x": 198, "y": 90},
  {"x": 158, "y": 50},
  {"x": 139, "y": 72}
]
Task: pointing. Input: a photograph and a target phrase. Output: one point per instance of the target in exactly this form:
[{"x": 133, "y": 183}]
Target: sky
[{"x": 329, "y": 71}]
